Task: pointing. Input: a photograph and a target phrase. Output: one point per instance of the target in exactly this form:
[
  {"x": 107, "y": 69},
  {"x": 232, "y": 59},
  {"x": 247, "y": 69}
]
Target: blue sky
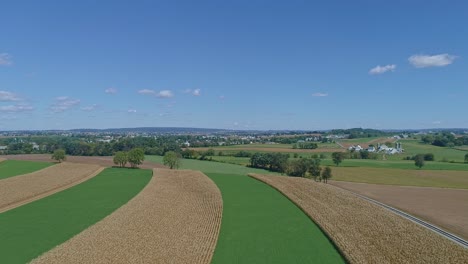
[{"x": 233, "y": 64}]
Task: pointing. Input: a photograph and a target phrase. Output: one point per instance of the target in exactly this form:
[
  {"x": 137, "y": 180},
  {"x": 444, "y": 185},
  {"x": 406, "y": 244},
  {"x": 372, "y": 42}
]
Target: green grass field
[
  {"x": 34, "y": 228},
  {"x": 260, "y": 225},
  {"x": 422, "y": 178},
  {"x": 413, "y": 147},
  {"x": 10, "y": 168}
]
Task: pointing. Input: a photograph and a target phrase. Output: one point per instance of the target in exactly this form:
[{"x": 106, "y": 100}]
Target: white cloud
[
  {"x": 63, "y": 103},
  {"x": 160, "y": 94},
  {"x": 222, "y": 97},
  {"x": 8, "y": 96},
  {"x": 110, "y": 91},
  {"x": 89, "y": 107},
  {"x": 319, "y": 94},
  {"x": 16, "y": 108},
  {"x": 132, "y": 111},
  {"x": 423, "y": 61},
  {"x": 5, "y": 59},
  {"x": 196, "y": 92},
  {"x": 436, "y": 123},
  {"x": 382, "y": 69}
]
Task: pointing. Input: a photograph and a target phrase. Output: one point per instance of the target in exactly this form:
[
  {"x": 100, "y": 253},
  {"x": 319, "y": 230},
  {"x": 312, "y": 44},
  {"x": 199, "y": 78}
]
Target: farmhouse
[{"x": 355, "y": 148}]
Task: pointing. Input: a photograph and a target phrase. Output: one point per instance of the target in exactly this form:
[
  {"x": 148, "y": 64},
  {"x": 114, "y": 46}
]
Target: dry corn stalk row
[
  {"x": 23, "y": 188},
  {"x": 176, "y": 218},
  {"x": 364, "y": 232}
]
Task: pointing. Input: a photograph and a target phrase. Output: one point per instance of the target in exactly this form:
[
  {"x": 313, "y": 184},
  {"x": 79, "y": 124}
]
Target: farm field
[
  {"x": 35, "y": 228},
  {"x": 10, "y": 168},
  {"x": 175, "y": 219},
  {"x": 423, "y": 178},
  {"x": 255, "y": 227},
  {"x": 366, "y": 233},
  {"x": 104, "y": 161},
  {"x": 260, "y": 225},
  {"x": 446, "y": 208},
  {"x": 15, "y": 191},
  {"x": 272, "y": 148}
]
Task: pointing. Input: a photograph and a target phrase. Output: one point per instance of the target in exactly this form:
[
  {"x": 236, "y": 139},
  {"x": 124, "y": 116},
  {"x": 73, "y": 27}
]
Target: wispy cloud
[
  {"x": 5, "y": 59},
  {"x": 132, "y": 110},
  {"x": 160, "y": 94},
  {"x": 63, "y": 103},
  {"x": 110, "y": 91},
  {"x": 222, "y": 97},
  {"x": 436, "y": 122},
  {"x": 6, "y": 96},
  {"x": 319, "y": 94},
  {"x": 89, "y": 108},
  {"x": 16, "y": 108},
  {"x": 423, "y": 61},
  {"x": 382, "y": 69},
  {"x": 194, "y": 92}
]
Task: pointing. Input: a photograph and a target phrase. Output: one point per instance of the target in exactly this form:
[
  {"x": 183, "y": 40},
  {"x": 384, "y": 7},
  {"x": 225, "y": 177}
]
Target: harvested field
[
  {"x": 2, "y": 159},
  {"x": 19, "y": 190},
  {"x": 176, "y": 218},
  {"x": 98, "y": 160},
  {"x": 364, "y": 232},
  {"x": 446, "y": 208}
]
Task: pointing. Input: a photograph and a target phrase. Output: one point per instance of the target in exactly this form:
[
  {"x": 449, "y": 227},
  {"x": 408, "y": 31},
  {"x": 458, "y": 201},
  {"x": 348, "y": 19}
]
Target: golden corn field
[
  {"x": 176, "y": 218},
  {"x": 364, "y": 232},
  {"x": 22, "y": 189}
]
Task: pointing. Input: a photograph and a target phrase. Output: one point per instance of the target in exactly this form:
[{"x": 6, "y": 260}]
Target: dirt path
[
  {"x": 365, "y": 232},
  {"x": 176, "y": 218},
  {"x": 446, "y": 208},
  {"x": 21, "y": 189},
  {"x": 98, "y": 160}
]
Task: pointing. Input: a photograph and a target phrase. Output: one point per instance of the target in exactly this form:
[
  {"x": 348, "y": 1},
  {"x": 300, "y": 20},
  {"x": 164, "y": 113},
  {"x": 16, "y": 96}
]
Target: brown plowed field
[
  {"x": 176, "y": 218},
  {"x": 2, "y": 159},
  {"x": 98, "y": 160},
  {"x": 446, "y": 208},
  {"x": 364, "y": 232},
  {"x": 28, "y": 187}
]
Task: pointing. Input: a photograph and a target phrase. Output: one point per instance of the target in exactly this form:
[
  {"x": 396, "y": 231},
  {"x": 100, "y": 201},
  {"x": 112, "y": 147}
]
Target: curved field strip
[
  {"x": 366, "y": 233},
  {"x": 32, "y": 229},
  {"x": 260, "y": 225},
  {"x": 17, "y": 190},
  {"x": 175, "y": 219},
  {"x": 10, "y": 168}
]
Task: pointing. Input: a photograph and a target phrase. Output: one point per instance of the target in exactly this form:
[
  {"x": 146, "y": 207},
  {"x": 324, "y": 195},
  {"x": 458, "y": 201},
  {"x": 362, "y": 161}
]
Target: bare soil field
[
  {"x": 98, "y": 160},
  {"x": 176, "y": 218},
  {"x": 446, "y": 208},
  {"x": 2, "y": 159},
  {"x": 19, "y": 190},
  {"x": 364, "y": 232},
  {"x": 285, "y": 150}
]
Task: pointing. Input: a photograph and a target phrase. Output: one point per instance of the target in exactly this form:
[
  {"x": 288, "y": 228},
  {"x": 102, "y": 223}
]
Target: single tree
[
  {"x": 419, "y": 160},
  {"x": 136, "y": 157},
  {"x": 120, "y": 158},
  {"x": 466, "y": 158},
  {"x": 337, "y": 157},
  {"x": 172, "y": 159},
  {"x": 59, "y": 155},
  {"x": 314, "y": 168},
  {"x": 326, "y": 174}
]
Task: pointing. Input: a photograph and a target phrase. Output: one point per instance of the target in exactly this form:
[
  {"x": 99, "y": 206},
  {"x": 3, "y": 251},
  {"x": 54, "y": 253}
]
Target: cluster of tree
[
  {"x": 444, "y": 139},
  {"x": 270, "y": 161},
  {"x": 363, "y": 154},
  {"x": 338, "y": 157},
  {"x": 359, "y": 132},
  {"x": 172, "y": 159},
  {"x": 309, "y": 167},
  {"x": 426, "y": 157},
  {"x": 193, "y": 154},
  {"x": 84, "y": 146},
  {"x": 243, "y": 154},
  {"x": 135, "y": 157},
  {"x": 305, "y": 145},
  {"x": 466, "y": 158}
]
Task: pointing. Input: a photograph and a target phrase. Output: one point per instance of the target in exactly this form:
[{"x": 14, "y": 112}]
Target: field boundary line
[
  {"x": 49, "y": 192},
  {"x": 456, "y": 239}
]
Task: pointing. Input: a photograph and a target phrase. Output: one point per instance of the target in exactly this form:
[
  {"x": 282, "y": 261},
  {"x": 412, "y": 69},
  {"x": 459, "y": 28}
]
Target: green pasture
[
  {"x": 10, "y": 168},
  {"x": 34, "y": 228},
  {"x": 260, "y": 225}
]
